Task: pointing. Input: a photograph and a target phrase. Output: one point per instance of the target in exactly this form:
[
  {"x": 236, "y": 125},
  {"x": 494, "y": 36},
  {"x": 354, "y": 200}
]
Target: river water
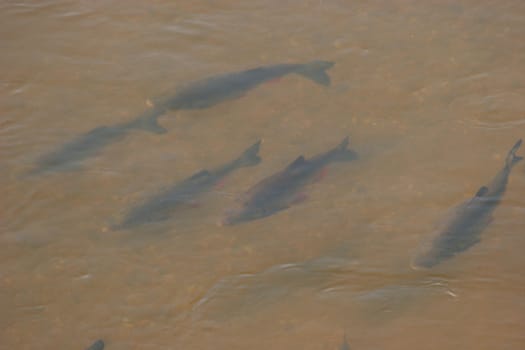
[{"x": 431, "y": 94}]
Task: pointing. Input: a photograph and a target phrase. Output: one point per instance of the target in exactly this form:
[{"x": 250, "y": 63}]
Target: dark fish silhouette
[
  {"x": 161, "y": 206},
  {"x": 98, "y": 345},
  {"x": 200, "y": 94},
  {"x": 280, "y": 191},
  {"x": 344, "y": 345},
  {"x": 211, "y": 91},
  {"x": 70, "y": 154},
  {"x": 470, "y": 219}
]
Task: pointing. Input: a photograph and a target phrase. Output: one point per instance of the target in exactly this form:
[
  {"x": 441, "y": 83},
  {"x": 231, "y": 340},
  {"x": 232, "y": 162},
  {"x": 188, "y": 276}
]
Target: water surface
[{"x": 430, "y": 93}]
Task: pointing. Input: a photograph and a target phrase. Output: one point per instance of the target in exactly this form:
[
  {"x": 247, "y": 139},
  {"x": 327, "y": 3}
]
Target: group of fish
[{"x": 278, "y": 191}]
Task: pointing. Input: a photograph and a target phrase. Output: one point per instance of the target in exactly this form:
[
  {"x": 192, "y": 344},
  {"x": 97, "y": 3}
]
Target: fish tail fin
[
  {"x": 512, "y": 158},
  {"x": 316, "y": 71},
  {"x": 250, "y": 156},
  {"x": 148, "y": 121},
  {"x": 343, "y": 153}
]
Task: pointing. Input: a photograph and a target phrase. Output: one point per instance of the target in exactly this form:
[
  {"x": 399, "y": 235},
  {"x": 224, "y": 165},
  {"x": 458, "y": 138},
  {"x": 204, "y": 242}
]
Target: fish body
[
  {"x": 72, "y": 153},
  {"x": 279, "y": 191},
  {"x": 161, "y": 206},
  {"x": 211, "y": 91},
  {"x": 464, "y": 229},
  {"x": 200, "y": 94},
  {"x": 98, "y": 345}
]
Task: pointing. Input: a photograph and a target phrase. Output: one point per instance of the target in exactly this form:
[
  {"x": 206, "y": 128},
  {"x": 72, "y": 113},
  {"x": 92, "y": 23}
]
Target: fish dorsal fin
[
  {"x": 482, "y": 191},
  {"x": 298, "y": 162},
  {"x": 199, "y": 174}
]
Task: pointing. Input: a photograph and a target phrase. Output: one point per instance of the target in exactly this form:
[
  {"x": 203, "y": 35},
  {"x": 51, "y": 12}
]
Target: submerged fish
[
  {"x": 70, "y": 154},
  {"x": 280, "y": 191},
  {"x": 470, "y": 219},
  {"x": 344, "y": 345},
  {"x": 98, "y": 345},
  {"x": 211, "y": 91},
  {"x": 200, "y": 94},
  {"x": 161, "y": 206}
]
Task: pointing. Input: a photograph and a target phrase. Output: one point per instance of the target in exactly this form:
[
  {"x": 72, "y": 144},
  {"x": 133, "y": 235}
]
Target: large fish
[
  {"x": 200, "y": 94},
  {"x": 463, "y": 230},
  {"x": 280, "y": 191},
  {"x": 161, "y": 206}
]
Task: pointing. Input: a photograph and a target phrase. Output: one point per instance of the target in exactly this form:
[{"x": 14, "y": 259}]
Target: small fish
[
  {"x": 98, "y": 345},
  {"x": 344, "y": 345},
  {"x": 470, "y": 219},
  {"x": 279, "y": 191},
  {"x": 200, "y": 94},
  {"x": 161, "y": 206}
]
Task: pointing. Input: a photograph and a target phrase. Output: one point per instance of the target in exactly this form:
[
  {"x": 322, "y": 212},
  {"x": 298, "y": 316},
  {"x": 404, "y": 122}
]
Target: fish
[
  {"x": 161, "y": 206},
  {"x": 98, "y": 345},
  {"x": 69, "y": 155},
  {"x": 200, "y": 94},
  {"x": 469, "y": 219},
  {"x": 280, "y": 191},
  {"x": 344, "y": 345},
  {"x": 216, "y": 89}
]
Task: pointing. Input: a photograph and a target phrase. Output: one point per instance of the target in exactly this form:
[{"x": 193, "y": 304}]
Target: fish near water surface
[
  {"x": 161, "y": 206},
  {"x": 280, "y": 191},
  {"x": 470, "y": 219},
  {"x": 197, "y": 95}
]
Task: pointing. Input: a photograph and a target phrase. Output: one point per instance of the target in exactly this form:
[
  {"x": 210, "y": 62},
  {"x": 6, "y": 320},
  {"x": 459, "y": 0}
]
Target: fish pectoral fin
[
  {"x": 482, "y": 191},
  {"x": 199, "y": 174},
  {"x": 297, "y": 162}
]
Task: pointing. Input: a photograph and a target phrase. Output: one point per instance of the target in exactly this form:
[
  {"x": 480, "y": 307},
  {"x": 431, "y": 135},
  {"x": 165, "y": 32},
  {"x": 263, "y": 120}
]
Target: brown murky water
[{"x": 430, "y": 92}]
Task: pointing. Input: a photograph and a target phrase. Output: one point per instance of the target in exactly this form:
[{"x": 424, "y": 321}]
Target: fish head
[{"x": 425, "y": 257}]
